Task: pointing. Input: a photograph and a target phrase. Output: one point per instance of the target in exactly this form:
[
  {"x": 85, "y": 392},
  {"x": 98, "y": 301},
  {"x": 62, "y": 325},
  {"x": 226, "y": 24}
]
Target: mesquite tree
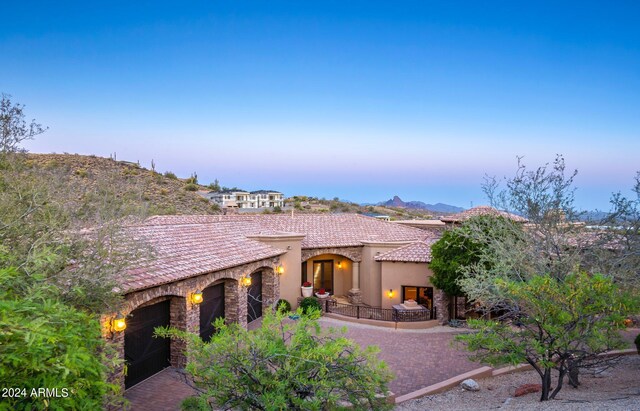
[{"x": 283, "y": 365}]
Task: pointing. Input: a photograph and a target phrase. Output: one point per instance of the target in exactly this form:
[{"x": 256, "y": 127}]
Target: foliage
[
  {"x": 283, "y": 305},
  {"x": 171, "y": 175},
  {"x": 282, "y": 365},
  {"x": 13, "y": 128},
  {"x": 277, "y": 209},
  {"x": 215, "y": 186},
  {"x": 45, "y": 343},
  {"x": 191, "y": 187},
  {"x": 309, "y": 304},
  {"x": 562, "y": 324}
]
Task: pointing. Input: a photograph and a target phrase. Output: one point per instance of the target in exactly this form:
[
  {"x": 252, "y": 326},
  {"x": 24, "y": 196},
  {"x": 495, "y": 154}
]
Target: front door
[
  {"x": 212, "y": 308},
  {"x": 254, "y": 297},
  {"x": 323, "y": 275},
  {"x": 144, "y": 354}
]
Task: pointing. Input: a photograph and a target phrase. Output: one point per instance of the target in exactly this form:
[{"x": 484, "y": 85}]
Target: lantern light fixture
[
  {"x": 196, "y": 297},
  {"x": 280, "y": 270},
  {"x": 246, "y": 281},
  {"x": 119, "y": 323},
  {"x": 339, "y": 264},
  {"x": 390, "y": 293}
]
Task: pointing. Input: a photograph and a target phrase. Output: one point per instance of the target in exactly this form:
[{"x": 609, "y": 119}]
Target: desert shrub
[
  {"x": 171, "y": 175},
  {"x": 283, "y": 305},
  {"x": 309, "y": 304},
  {"x": 81, "y": 172},
  {"x": 191, "y": 187}
]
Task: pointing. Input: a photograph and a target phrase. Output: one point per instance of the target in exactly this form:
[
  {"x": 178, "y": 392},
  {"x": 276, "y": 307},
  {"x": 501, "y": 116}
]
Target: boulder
[
  {"x": 527, "y": 389},
  {"x": 470, "y": 385}
]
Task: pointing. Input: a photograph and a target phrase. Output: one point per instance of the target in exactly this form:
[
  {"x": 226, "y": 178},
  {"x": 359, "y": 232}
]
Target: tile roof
[
  {"x": 481, "y": 210},
  {"x": 182, "y": 251},
  {"x": 186, "y": 246},
  {"x": 418, "y": 252}
]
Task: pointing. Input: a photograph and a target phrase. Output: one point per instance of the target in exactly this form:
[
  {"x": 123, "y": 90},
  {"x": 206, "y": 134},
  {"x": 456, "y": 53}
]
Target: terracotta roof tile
[
  {"x": 418, "y": 252},
  {"x": 481, "y": 210}
]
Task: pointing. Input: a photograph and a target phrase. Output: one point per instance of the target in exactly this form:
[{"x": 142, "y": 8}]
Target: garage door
[
  {"x": 212, "y": 307},
  {"x": 254, "y": 299},
  {"x": 144, "y": 354}
]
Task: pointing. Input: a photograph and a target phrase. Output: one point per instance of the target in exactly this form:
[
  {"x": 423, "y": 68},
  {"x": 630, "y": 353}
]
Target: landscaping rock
[
  {"x": 470, "y": 385},
  {"x": 527, "y": 389}
]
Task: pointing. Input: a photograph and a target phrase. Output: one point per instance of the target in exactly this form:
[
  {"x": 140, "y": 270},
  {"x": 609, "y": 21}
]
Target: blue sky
[{"x": 361, "y": 99}]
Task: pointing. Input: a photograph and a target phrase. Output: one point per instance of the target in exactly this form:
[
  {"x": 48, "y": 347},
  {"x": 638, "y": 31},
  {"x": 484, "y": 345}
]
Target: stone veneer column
[
  {"x": 178, "y": 319},
  {"x": 270, "y": 289},
  {"x": 116, "y": 340},
  {"x": 235, "y": 303},
  {"x": 354, "y": 294},
  {"x": 442, "y": 300}
]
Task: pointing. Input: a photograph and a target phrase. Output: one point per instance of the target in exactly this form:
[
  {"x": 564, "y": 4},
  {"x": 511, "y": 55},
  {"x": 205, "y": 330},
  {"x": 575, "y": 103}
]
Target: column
[{"x": 355, "y": 295}]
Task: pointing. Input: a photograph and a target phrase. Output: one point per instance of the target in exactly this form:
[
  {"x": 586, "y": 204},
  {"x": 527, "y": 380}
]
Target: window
[{"x": 422, "y": 295}]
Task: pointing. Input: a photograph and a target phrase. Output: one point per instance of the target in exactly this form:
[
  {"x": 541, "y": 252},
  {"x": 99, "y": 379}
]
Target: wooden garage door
[
  {"x": 144, "y": 354},
  {"x": 212, "y": 307},
  {"x": 254, "y": 299}
]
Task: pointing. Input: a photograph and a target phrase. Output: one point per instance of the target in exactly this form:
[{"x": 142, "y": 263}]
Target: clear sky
[{"x": 360, "y": 100}]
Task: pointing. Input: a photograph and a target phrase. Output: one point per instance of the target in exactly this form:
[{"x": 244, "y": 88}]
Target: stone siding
[{"x": 352, "y": 253}]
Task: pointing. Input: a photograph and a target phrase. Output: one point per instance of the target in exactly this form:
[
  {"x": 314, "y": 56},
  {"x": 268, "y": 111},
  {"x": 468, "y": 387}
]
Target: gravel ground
[{"x": 617, "y": 388}]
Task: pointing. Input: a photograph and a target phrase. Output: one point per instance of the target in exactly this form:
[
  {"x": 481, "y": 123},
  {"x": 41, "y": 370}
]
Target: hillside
[
  {"x": 397, "y": 202},
  {"x": 154, "y": 193}
]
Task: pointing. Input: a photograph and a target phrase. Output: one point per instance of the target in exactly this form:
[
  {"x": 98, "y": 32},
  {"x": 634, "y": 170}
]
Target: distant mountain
[{"x": 439, "y": 207}]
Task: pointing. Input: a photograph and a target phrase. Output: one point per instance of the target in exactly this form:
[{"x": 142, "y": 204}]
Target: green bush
[
  {"x": 283, "y": 305},
  {"x": 171, "y": 175},
  {"x": 191, "y": 187},
  {"x": 308, "y": 304}
]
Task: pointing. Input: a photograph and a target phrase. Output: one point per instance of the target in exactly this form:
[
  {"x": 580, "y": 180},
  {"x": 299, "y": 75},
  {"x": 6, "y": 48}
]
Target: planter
[
  {"x": 307, "y": 291},
  {"x": 321, "y": 296}
]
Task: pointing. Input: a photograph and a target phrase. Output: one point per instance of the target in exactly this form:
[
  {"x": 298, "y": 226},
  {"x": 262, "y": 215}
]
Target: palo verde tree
[
  {"x": 283, "y": 365},
  {"x": 558, "y": 287}
]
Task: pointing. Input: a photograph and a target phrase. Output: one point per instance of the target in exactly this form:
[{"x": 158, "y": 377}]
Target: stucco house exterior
[
  {"x": 237, "y": 266},
  {"x": 246, "y": 199}
]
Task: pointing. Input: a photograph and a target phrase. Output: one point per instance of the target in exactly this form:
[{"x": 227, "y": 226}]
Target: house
[
  {"x": 478, "y": 211},
  {"x": 246, "y": 199},
  {"x": 237, "y": 266}
]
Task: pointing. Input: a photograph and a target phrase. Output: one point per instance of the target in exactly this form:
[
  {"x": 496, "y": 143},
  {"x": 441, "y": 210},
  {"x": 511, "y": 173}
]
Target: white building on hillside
[{"x": 246, "y": 199}]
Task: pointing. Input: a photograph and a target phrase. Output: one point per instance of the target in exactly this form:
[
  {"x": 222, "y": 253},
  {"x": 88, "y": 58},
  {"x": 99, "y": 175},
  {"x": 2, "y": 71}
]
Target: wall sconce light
[
  {"x": 279, "y": 270},
  {"x": 245, "y": 281},
  {"x": 119, "y": 323},
  {"x": 390, "y": 293},
  {"x": 339, "y": 264},
  {"x": 196, "y": 297}
]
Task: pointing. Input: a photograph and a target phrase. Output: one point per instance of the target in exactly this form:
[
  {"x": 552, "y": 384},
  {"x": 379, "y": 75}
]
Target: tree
[
  {"x": 215, "y": 186},
  {"x": 561, "y": 324},
  {"x": 551, "y": 253},
  {"x": 45, "y": 343},
  {"x": 282, "y": 365},
  {"x": 13, "y": 128}
]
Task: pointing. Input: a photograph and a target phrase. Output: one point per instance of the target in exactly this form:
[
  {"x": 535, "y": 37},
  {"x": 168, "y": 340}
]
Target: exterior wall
[
  {"x": 371, "y": 272},
  {"x": 185, "y": 315},
  {"x": 395, "y": 275},
  {"x": 289, "y": 282}
]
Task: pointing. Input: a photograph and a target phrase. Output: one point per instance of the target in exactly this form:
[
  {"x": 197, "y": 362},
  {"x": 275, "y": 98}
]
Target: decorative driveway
[{"x": 418, "y": 358}]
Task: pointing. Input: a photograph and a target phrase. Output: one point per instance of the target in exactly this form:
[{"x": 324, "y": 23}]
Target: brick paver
[{"x": 163, "y": 391}]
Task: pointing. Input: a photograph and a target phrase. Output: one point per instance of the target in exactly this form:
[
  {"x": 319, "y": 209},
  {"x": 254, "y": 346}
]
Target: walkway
[{"x": 163, "y": 391}]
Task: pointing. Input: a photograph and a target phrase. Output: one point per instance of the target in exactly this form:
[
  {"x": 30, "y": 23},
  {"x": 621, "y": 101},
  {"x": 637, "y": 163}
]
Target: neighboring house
[
  {"x": 359, "y": 258},
  {"x": 246, "y": 199},
  {"x": 480, "y": 210},
  {"x": 382, "y": 217}
]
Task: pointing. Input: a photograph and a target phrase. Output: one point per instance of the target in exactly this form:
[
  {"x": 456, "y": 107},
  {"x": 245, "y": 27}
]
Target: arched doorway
[
  {"x": 254, "y": 297},
  {"x": 144, "y": 354},
  {"x": 212, "y": 308}
]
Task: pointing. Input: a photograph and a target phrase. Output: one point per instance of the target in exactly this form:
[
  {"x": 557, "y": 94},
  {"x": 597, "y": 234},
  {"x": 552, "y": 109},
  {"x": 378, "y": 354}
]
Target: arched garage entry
[
  {"x": 254, "y": 297},
  {"x": 144, "y": 354},
  {"x": 212, "y": 308}
]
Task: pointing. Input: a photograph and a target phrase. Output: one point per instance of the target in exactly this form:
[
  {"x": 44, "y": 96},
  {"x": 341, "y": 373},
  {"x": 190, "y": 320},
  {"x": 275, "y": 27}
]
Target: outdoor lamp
[
  {"x": 196, "y": 297},
  {"x": 339, "y": 264},
  {"x": 390, "y": 293},
  {"x": 246, "y": 281},
  {"x": 280, "y": 270},
  {"x": 119, "y": 323}
]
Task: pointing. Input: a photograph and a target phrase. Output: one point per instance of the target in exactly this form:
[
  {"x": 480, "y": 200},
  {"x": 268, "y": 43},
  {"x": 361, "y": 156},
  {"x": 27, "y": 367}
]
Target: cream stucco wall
[
  {"x": 396, "y": 275},
  {"x": 290, "y": 261},
  {"x": 341, "y": 276},
  {"x": 371, "y": 271}
]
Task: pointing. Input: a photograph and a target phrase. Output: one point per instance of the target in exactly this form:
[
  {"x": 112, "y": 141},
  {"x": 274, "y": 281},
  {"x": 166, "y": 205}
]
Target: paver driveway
[{"x": 418, "y": 358}]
